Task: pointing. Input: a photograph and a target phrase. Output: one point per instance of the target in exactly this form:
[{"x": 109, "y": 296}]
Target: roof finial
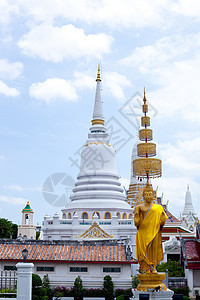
[
  {"x": 188, "y": 187},
  {"x": 98, "y": 74}
]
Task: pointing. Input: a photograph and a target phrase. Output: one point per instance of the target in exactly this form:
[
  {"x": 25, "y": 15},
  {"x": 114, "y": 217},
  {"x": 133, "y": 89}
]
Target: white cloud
[
  {"x": 12, "y": 200},
  {"x": 15, "y": 187},
  {"x": 172, "y": 65},
  {"x": 53, "y": 89},
  {"x": 10, "y": 70},
  {"x": 83, "y": 80},
  {"x": 114, "y": 83},
  {"x": 7, "y": 9},
  {"x": 54, "y": 44},
  {"x": 109, "y": 12},
  {"x": 187, "y": 8},
  {"x": 8, "y": 91}
]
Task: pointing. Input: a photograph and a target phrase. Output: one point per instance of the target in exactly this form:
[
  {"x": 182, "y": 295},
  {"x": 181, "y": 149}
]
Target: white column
[{"x": 24, "y": 280}]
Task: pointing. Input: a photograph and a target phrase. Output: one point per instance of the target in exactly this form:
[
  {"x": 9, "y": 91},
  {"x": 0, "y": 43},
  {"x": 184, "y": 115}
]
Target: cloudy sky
[{"x": 49, "y": 52}]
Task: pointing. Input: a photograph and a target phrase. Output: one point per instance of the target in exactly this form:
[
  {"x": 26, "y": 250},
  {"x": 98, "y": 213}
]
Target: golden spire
[
  {"x": 145, "y": 166},
  {"x": 98, "y": 74}
]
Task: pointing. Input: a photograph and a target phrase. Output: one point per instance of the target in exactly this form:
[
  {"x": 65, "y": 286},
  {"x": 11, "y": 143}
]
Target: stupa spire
[
  {"x": 98, "y": 112},
  {"x": 188, "y": 203}
]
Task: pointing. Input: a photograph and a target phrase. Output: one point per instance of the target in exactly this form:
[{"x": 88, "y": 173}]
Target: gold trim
[
  {"x": 144, "y": 167},
  {"x": 145, "y": 134},
  {"x": 95, "y": 232},
  {"x": 146, "y": 148},
  {"x": 97, "y": 121},
  {"x": 145, "y": 121},
  {"x": 97, "y": 143}
]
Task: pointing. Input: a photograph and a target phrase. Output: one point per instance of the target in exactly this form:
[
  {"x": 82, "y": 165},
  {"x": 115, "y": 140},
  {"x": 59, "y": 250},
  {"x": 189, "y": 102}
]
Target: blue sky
[{"x": 49, "y": 52}]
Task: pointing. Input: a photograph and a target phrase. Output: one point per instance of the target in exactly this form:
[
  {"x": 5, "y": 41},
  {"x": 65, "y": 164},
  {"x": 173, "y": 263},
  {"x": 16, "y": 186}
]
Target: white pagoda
[{"x": 98, "y": 207}]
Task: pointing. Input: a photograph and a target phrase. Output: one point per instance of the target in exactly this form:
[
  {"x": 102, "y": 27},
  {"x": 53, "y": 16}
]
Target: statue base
[
  {"x": 164, "y": 295},
  {"x": 151, "y": 281}
]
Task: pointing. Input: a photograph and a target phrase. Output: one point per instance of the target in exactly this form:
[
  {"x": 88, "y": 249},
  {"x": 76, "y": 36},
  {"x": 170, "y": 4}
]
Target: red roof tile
[
  {"x": 192, "y": 250},
  {"x": 64, "y": 252}
]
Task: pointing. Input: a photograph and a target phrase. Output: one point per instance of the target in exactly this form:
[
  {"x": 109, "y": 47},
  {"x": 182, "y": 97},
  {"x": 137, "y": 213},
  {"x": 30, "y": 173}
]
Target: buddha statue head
[{"x": 148, "y": 193}]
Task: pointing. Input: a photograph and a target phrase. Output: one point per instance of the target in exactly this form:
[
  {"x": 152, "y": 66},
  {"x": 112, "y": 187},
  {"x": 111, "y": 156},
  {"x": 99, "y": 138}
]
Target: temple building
[
  {"x": 27, "y": 230},
  {"x": 98, "y": 207}
]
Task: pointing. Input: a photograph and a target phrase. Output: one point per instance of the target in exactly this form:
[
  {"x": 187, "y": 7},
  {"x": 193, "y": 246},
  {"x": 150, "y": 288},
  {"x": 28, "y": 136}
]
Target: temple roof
[
  {"x": 27, "y": 208},
  {"x": 191, "y": 253},
  {"x": 171, "y": 217},
  {"x": 65, "y": 252}
]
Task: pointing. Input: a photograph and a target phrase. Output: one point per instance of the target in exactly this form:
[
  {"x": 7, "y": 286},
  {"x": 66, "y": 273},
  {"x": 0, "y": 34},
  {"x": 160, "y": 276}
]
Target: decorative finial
[
  {"x": 188, "y": 187},
  {"x": 28, "y": 203},
  {"x": 98, "y": 74},
  {"x": 144, "y": 99}
]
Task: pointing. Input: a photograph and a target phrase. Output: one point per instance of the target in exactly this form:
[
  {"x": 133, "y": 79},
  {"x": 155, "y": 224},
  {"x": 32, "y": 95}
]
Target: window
[
  {"x": 84, "y": 215},
  {"x": 98, "y": 214},
  {"x": 130, "y": 216},
  {"x": 118, "y": 215},
  {"x": 107, "y": 215},
  {"x": 124, "y": 216},
  {"x": 69, "y": 216},
  {"x": 45, "y": 269},
  {"x": 64, "y": 216},
  {"x": 10, "y": 268},
  {"x": 111, "y": 270},
  {"x": 78, "y": 269}
]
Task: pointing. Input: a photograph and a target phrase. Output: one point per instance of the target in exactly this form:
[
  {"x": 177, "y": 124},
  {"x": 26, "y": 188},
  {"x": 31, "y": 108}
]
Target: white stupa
[
  {"x": 188, "y": 215},
  {"x": 97, "y": 208}
]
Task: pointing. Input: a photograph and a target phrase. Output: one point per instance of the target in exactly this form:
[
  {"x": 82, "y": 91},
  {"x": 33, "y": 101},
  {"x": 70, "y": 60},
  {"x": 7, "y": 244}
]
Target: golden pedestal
[{"x": 151, "y": 281}]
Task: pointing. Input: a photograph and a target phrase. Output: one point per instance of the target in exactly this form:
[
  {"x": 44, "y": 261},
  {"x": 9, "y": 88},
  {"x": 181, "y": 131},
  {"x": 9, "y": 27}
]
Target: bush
[
  {"x": 93, "y": 293},
  {"x": 34, "y": 297},
  {"x": 121, "y": 292},
  {"x": 174, "y": 268},
  {"x": 135, "y": 281},
  {"x": 41, "y": 291},
  {"x": 186, "y": 298},
  {"x": 78, "y": 287},
  {"x": 36, "y": 281},
  {"x": 182, "y": 289},
  {"x": 46, "y": 284},
  {"x": 108, "y": 288},
  {"x": 121, "y": 297}
]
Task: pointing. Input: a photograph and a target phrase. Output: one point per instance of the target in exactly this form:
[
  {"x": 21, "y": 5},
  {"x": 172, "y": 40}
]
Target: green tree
[
  {"x": 174, "y": 268},
  {"x": 7, "y": 228},
  {"x": 108, "y": 287},
  {"x": 78, "y": 288}
]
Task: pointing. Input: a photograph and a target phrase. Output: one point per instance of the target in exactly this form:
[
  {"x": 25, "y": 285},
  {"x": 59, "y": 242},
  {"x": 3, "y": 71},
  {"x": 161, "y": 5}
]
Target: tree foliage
[
  {"x": 174, "y": 268},
  {"x": 7, "y": 228},
  {"x": 78, "y": 287},
  {"x": 108, "y": 287}
]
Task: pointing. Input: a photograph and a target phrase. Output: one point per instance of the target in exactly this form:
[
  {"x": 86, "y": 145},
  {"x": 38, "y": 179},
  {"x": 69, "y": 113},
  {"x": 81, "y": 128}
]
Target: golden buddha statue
[{"x": 149, "y": 220}]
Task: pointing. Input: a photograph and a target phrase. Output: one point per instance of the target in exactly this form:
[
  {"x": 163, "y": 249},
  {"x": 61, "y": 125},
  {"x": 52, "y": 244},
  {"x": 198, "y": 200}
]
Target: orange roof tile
[{"x": 64, "y": 252}]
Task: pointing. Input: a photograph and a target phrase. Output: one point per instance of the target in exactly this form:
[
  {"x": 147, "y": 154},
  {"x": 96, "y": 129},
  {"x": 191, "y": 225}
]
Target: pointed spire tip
[{"x": 98, "y": 74}]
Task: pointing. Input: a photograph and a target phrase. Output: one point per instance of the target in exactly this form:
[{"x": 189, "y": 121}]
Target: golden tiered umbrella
[{"x": 146, "y": 166}]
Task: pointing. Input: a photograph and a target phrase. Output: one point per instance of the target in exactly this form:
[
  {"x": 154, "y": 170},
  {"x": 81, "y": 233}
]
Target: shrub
[
  {"x": 78, "y": 287},
  {"x": 93, "y": 293},
  {"x": 46, "y": 284},
  {"x": 121, "y": 297},
  {"x": 108, "y": 287},
  {"x": 36, "y": 281},
  {"x": 121, "y": 292},
  {"x": 181, "y": 289},
  {"x": 135, "y": 281},
  {"x": 174, "y": 268}
]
